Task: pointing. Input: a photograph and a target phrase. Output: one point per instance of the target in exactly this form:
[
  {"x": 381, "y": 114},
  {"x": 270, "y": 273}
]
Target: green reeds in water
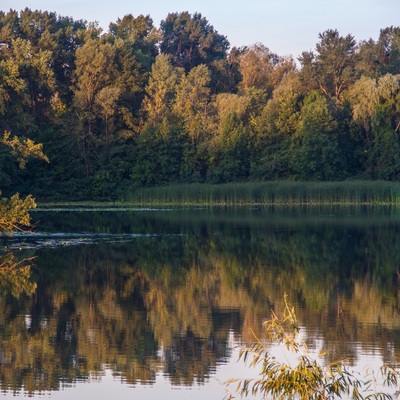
[{"x": 274, "y": 192}]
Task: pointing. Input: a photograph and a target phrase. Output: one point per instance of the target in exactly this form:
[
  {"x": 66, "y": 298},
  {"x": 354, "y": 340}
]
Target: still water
[{"x": 149, "y": 303}]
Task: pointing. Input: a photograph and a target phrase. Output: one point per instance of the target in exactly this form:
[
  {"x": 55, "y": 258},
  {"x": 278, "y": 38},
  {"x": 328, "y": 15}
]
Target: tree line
[{"x": 141, "y": 105}]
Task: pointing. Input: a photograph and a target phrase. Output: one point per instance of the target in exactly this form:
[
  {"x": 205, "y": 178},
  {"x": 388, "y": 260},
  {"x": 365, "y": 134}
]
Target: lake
[{"x": 143, "y": 303}]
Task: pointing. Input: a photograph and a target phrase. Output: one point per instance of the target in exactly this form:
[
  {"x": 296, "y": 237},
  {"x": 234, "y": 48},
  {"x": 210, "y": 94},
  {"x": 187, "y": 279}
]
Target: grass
[{"x": 274, "y": 192}]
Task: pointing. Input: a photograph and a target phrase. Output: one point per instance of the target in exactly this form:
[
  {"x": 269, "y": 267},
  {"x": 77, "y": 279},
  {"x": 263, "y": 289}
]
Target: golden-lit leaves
[
  {"x": 23, "y": 149},
  {"x": 373, "y": 99},
  {"x": 14, "y": 213},
  {"x": 305, "y": 378}
]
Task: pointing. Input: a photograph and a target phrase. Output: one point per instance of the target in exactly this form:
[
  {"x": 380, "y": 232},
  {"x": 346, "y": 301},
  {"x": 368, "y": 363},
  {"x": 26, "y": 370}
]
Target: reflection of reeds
[{"x": 274, "y": 192}]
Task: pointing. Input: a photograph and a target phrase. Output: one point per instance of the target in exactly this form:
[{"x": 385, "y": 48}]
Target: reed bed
[{"x": 273, "y": 192}]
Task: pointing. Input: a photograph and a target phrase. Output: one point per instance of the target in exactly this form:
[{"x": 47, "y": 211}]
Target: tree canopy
[{"x": 144, "y": 105}]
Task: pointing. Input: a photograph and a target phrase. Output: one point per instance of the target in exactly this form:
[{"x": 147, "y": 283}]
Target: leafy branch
[
  {"x": 14, "y": 213},
  {"x": 22, "y": 149},
  {"x": 309, "y": 378}
]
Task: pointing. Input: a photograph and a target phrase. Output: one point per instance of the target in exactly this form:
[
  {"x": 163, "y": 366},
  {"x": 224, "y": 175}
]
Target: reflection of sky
[
  {"x": 367, "y": 355},
  {"x": 108, "y": 386}
]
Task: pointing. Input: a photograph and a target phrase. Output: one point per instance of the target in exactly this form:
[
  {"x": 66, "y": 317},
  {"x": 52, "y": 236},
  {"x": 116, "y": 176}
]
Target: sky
[{"x": 286, "y": 27}]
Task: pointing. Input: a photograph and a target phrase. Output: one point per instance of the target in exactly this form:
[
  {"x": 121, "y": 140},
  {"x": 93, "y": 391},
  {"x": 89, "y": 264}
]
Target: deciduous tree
[
  {"x": 161, "y": 90},
  {"x": 190, "y": 40},
  {"x": 332, "y": 68}
]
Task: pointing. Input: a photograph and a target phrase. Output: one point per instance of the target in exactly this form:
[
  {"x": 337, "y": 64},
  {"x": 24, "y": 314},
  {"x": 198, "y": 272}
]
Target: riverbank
[{"x": 253, "y": 193}]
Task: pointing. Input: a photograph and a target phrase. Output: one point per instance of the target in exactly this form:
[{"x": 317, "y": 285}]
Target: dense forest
[{"x": 141, "y": 105}]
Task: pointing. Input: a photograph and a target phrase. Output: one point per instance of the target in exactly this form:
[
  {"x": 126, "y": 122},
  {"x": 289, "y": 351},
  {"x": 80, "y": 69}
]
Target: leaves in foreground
[
  {"x": 308, "y": 378},
  {"x": 14, "y": 213}
]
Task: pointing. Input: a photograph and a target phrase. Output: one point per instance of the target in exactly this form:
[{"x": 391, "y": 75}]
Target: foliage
[
  {"x": 332, "y": 68},
  {"x": 244, "y": 114},
  {"x": 191, "y": 40},
  {"x": 160, "y": 90},
  {"x": 23, "y": 149},
  {"x": 14, "y": 213},
  {"x": 309, "y": 378}
]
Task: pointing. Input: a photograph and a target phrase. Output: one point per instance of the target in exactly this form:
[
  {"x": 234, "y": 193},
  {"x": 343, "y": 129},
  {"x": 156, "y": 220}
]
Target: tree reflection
[
  {"x": 15, "y": 275},
  {"x": 171, "y": 304}
]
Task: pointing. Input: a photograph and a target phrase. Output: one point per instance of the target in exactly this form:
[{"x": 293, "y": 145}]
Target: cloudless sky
[{"x": 286, "y": 27}]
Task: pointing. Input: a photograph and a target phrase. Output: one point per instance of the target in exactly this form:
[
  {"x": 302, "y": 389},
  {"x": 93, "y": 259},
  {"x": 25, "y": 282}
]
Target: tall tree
[
  {"x": 376, "y": 109},
  {"x": 316, "y": 154},
  {"x": 376, "y": 58},
  {"x": 140, "y": 34},
  {"x": 332, "y": 68},
  {"x": 229, "y": 153},
  {"x": 225, "y": 73},
  {"x": 68, "y": 38},
  {"x": 9, "y": 26},
  {"x": 274, "y": 128},
  {"x": 192, "y": 101},
  {"x": 190, "y": 40},
  {"x": 262, "y": 69},
  {"x": 160, "y": 90},
  {"x": 93, "y": 73},
  {"x": 389, "y": 46},
  {"x": 29, "y": 99},
  {"x": 192, "y": 107}
]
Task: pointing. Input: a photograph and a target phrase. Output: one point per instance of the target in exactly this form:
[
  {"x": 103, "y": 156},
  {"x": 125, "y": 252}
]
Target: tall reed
[{"x": 273, "y": 192}]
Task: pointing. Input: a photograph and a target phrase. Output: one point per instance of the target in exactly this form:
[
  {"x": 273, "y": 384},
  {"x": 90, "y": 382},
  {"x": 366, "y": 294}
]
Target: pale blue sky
[{"x": 284, "y": 26}]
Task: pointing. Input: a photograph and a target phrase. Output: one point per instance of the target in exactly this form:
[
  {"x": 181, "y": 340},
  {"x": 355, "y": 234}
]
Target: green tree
[
  {"x": 105, "y": 101},
  {"x": 136, "y": 41},
  {"x": 225, "y": 74},
  {"x": 192, "y": 102},
  {"x": 274, "y": 128},
  {"x": 315, "y": 153},
  {"x": 389, "y": 49},
  {"x": 68, "y": 36},
  {"x": 158, "y": 154},
  {"x": 11, "y": 84},
  {"x": 332, "y": 68},
  {"x": 375, "y": 108},
  {"x": 93, "y": 73},
  {"x": 229, "y": 151},
  {"x": 9, "y": 26},
  {"x": 190, "y": 40},
  {"x": 140, "y": 34},
  {"x": 377, "y": 58},
  {"x": 32, "y": 87},
  {"x": 160, "y": 90}
]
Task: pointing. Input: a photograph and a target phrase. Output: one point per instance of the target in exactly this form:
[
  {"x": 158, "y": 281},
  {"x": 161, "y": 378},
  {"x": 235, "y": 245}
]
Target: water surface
[{"x": 146, "y": 303}]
